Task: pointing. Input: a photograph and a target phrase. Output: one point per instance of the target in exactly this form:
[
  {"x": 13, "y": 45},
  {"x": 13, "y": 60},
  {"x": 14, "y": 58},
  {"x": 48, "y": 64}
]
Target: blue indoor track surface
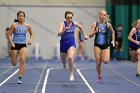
[{"x": 48, "y": 76}]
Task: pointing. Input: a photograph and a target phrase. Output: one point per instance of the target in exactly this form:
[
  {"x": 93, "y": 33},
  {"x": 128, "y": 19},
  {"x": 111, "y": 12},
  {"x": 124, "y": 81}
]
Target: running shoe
[
  {"x": 71, "y": 77},
  {"x": 99, "y": 80},
  {"x": 19, "y": 80},
  {"x": 137, "y": 74}
]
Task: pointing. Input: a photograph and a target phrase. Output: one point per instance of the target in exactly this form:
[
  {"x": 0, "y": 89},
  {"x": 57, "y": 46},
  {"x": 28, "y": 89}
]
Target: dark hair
[
  {"x": 68, "y": 12},
  {"x": 21, "y": 12},
  {"x": 15, "y": 20},
  {"x": 120, "y": 25},
  {"x": 7, "y": 28}
]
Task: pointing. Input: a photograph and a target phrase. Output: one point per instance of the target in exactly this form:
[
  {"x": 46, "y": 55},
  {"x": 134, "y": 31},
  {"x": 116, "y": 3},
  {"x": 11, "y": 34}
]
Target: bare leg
[
  {"x": 22, "y": 54},
  {"x": 138, "y": 64},
  {"x": 97, "y": 52},
  {"x": 106, "y": 56},
  {"x": 71, "y": 62},
  {"x": 133, "y": 55},
  {"x": 82, "y": 50},
  {"x": 71, "y": 59},
  {"x": 64, "y": 58},
  {"x": 14, "y": 57}
]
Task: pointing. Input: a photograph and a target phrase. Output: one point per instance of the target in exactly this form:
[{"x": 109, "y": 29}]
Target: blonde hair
[
  {"x": 107, "y": 16},
  {"x": 135, "y": 23}
]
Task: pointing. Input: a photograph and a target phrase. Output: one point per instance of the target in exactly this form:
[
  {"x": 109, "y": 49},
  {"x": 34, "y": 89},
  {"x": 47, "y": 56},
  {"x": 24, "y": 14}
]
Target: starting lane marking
[
  {"x": 84, "y": 79},
  {"x": 39, "y": 81},
  {"x": 66, "y": 83},
  {"x": 46, "y": 79},
  {"x": 78, "y": 70},
  {"x": 8, "y": 77}
]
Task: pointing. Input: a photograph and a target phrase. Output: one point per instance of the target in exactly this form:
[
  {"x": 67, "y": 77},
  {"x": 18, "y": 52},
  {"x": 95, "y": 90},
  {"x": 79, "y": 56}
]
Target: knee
[
  {"x": 98, "y": 61},
  {"x": 23, "y": 64},
  {"x": 70, "y": 58},
  {"x": 98, "y": 64},
  {"x": 14, "y": 62},
  {"x": 106, "y": 61},
  {"x": 138, "y": 53}
]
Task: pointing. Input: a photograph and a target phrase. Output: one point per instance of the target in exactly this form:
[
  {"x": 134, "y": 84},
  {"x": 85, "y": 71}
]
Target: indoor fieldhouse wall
[
  {"x": 53, "y": 2},
  {"x": 45, "y": 20}
]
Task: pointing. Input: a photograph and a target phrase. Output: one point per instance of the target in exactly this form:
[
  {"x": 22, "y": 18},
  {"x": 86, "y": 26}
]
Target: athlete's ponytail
[
  {"x": 15, "y": 20},
  {"x": 135, "y": 23},
  {"x": 107, "y": 18}
]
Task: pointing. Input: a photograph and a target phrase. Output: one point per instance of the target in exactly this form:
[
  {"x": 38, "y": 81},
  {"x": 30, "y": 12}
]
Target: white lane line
[
  {"x": 46, "y": 79},
  {"x": 9, "y": 77},
  {"x": 13, "y": 82},
  {"x": 86, "y": 82},
  {"x": 39, "y": 81},
  {"x": 122, "y": 76},
  {"x": 66, "y": 83},
  {"x": 6, "y": 71},
  {"x": 5, "y": 67}
]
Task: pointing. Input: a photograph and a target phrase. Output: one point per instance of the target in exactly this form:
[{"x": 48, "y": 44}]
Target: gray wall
[
  {"x": 45, "y": 20},
  {"x": 52, "y": 2}
]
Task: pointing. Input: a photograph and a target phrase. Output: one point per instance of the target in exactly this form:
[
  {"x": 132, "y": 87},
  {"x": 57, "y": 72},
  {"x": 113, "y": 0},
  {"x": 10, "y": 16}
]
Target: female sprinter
[
  {"x": 8, "y": 44},
  {"x": 136, "y": 31},
  {"x": 81, "y": 47},
  {"x": 133, "y": 50},
  {"x": 67, "y": 42},
  {"x": 18, "y": 43},
  {"x": 101, "y": 30}
]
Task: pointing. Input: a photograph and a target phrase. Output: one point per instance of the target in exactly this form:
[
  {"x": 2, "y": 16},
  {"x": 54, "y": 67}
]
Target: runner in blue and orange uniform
[{"x": 81, "y": 47}]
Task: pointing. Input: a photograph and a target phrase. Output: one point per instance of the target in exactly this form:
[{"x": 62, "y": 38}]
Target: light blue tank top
[
  {"x": 68, "y": 35},
  {"x": 19, "y": 35}
]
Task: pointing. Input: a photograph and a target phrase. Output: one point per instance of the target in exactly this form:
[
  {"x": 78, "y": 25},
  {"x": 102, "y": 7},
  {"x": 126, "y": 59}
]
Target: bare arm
[
  {"x": 93, "y": 30},
  {"x": 77, "y": 34},
  {"x": 81, "y": 29},
  {"x": 132, "y": 32},
  {"x": 113, "y": 34},
  {"x": 11, "y": 30},
  {"x": 6, "y": 34},
  {"x": 31, "y": 34},
  {"x": 62, "y": 29}
]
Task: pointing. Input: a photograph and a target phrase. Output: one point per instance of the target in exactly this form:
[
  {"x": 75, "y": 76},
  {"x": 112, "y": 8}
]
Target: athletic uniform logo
[
  {"x": 19, "y": 30},
  {"x": 102, "y": 34},
  {"x": 71, "y": 30}
]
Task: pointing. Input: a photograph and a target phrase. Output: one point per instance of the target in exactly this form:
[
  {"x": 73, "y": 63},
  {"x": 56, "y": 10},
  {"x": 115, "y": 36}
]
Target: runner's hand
[
  {"x": 13, "y": 45},
  {"x": 29, "y": 42},
  {"x": 85, "y": 37},
  {"x": 113, "y": 43}
]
